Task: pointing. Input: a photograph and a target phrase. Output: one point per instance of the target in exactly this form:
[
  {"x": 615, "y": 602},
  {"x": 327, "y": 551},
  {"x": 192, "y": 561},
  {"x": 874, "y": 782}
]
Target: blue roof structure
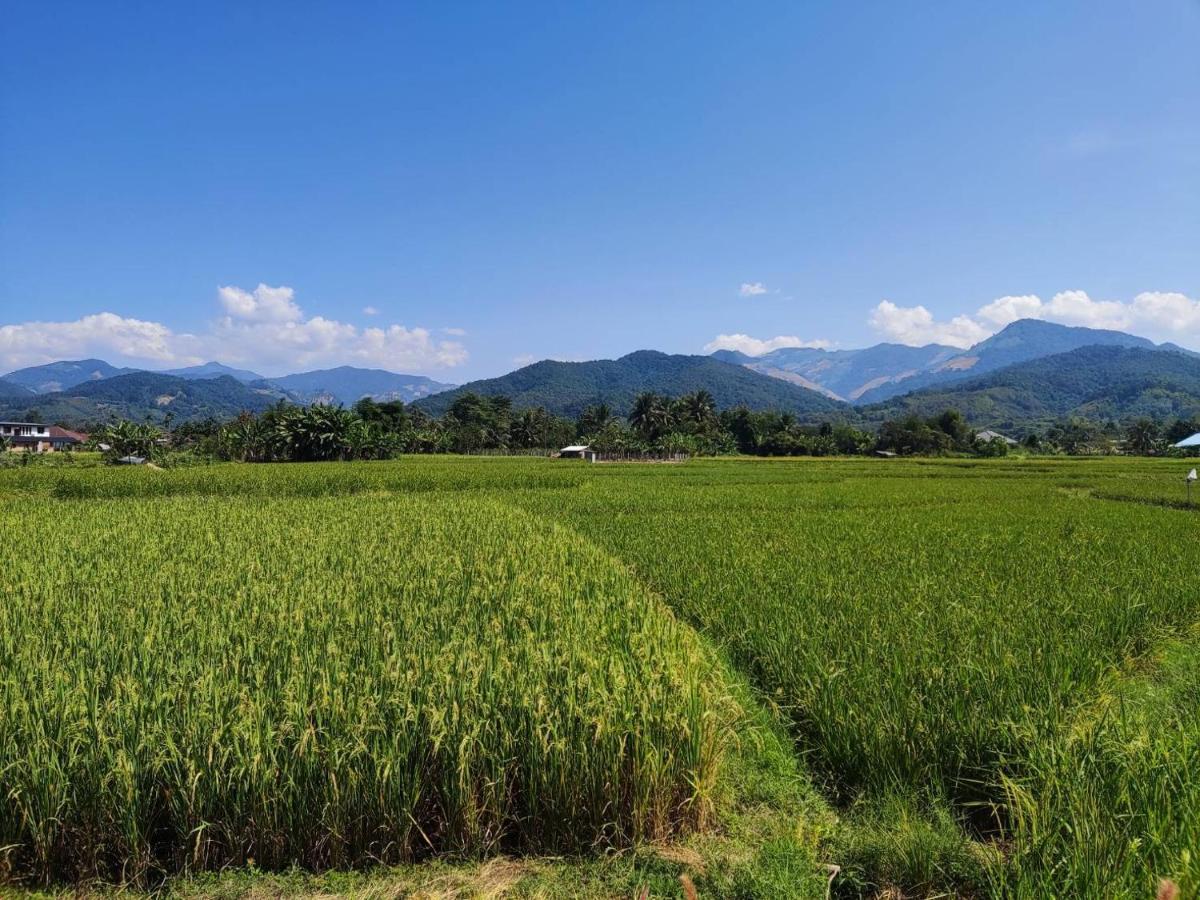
[{"x": 1193, "y": 441}]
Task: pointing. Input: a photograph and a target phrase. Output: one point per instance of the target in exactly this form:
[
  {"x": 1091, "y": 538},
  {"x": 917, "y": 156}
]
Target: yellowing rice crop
[
  {"x": 191, "y": 683},
  {"x": 987, "y": 670}
]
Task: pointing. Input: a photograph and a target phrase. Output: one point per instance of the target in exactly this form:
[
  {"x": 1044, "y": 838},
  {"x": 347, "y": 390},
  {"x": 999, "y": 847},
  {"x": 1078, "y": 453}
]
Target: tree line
[{"x": 655, "y": 424}]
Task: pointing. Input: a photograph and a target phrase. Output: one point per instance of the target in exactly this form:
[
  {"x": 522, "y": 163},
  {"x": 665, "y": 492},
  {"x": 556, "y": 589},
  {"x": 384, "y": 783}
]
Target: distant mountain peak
[
  {"x": 876, "y": 373},
  {"x": 349, "y": 384},
  {"x": 212, "y": 370}
]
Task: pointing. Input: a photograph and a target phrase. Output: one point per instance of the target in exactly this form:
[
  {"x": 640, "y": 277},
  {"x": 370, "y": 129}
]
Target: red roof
[{"x": 57, "y": 433}]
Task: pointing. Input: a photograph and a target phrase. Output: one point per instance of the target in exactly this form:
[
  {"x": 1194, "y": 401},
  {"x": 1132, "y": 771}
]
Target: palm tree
[
  {"x": 650, "y": 416},
  {"x": 1142, "y": 437},
  {"x": 700, "y": 408},
  {"x": 528, "y": 429},
  {"x": 594, "y": 419}
]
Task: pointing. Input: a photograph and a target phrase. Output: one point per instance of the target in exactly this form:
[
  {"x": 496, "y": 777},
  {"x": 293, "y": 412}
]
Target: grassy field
[{"x": 974, "y": 678}]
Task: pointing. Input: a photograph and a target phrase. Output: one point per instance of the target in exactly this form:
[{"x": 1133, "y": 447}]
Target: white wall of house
[{"x": 24, "y": 429}]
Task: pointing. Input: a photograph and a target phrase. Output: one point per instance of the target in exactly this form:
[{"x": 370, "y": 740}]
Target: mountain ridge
[
  {"x": 1097, "y": 382},
  {"x": 141, "y": 396},
  {"x": 342, "y": 384},
  {"x": 567, "y": 388},
  {"x": 349, "y": 384},
  {"x": 877, "y": 373}
]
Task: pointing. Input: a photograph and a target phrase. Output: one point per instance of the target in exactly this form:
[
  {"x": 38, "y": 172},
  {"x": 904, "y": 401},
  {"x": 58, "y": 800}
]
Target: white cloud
[
  {"x": 1173, "y": 313},
  {"x": 916, "y": 326},
  {"x": 751, "y": 346},
  {"x": 370, "y": 311},
  {"x": 1077, "y": 308},
  {"x": 263, "y": 329},
  {"x": 456, "y": 332},
  {"x": 752, "y": 289},
  {"x": 525, "y": 359},
  {"x": 1154, "y": 314},
  {"x": 264, "y": 304},
  {"x": 102, "y": 334},
  {"x": 1006, "y": 310},
  {"x": 291, "y": 346}
]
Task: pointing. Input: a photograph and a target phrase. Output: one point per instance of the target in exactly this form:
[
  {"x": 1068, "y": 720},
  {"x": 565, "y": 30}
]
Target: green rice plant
[
  {"x": 190, "y": 683},
  {"x": 1114, "y": 807},
  {"x": 330, "y": 664},
  {"x": 928, "y": 628}
]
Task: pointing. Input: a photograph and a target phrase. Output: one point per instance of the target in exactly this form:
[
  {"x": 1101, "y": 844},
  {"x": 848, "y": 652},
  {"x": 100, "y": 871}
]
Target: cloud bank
[
  {"x": 751, "y": 346},
  {"x": 262, "y": 329}
]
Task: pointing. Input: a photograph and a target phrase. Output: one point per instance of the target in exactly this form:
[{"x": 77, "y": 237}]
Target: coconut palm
[
  {"x": 1142, "y": 437},
  {"x": 650, "y": 416}
]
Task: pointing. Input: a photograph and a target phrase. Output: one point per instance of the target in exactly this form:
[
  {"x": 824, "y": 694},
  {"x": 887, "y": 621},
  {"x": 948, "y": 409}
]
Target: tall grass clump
[{"x": 191, "y": 683}]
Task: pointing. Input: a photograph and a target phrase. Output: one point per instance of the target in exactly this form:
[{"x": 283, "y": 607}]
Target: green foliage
[
  {"x": 917, "y": 847},
  {"x": 306, "y": 681},
  {"x": 1142, "y": 437},
  {"x": 944, "y": 433},
  {"x": 992, "y": 449},
  {"x": 128, "y": 439},
  {"x": 305, "y": 434}
]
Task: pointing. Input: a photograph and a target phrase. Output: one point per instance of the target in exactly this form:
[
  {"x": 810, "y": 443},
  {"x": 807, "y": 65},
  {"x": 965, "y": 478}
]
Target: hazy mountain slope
[
  {"x": 214, "y": 370},
  {"x": 12, "y": 390},
  {"x": 567, "y": 388},
  {"x": 1023, "y": 340},
  {"x": 347, "y": 384},
  {"x": 846, "y": 374},
  {"x": 877, "y": 373},
  {"x": 1095, "y": 382},
  {"x": 59, "y": 376},
  {"x": 140, "y": 396}
]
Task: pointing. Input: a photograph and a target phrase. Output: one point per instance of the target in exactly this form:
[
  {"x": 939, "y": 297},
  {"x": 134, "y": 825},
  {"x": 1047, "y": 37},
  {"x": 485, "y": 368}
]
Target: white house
[
  {"x": 26, "y": 435},
  {"x": 37, "y": 437}
]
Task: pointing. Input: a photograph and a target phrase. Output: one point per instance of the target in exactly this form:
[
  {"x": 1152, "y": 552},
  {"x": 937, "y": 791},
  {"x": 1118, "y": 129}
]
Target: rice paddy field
[{"x": 523, "y": 677}]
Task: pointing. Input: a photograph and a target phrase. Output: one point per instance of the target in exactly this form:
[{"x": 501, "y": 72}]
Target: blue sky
[{"x": 453, "y": 188}]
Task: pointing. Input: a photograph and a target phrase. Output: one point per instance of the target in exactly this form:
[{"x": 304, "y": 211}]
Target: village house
[
  {"x": 988, "y": 436},
  {"x": 39, "y": 438}
]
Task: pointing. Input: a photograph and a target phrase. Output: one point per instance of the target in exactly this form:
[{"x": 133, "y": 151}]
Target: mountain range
[
  {"x": 883, "y": 371},
  {"x": 1025, "y": 376},
  {"x": 1097, "y": 382},
  {"x": 90, "y": 390},
  {"x": 567, "y": 388},
  {"x": 141, "y": 396}
]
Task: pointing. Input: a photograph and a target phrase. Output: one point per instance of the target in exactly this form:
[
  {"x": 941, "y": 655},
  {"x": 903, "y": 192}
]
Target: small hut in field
[{"x": 578, "y": 451}]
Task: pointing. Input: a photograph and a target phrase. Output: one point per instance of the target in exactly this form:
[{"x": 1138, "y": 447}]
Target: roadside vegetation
[{"x": 963, "y": 677}]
